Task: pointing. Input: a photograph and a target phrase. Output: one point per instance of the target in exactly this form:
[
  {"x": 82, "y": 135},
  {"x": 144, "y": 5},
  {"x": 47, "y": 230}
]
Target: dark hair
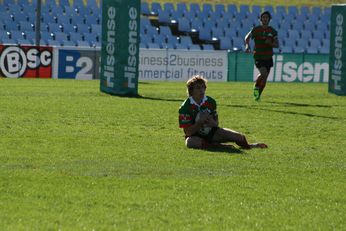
[
  {"x": 267, "y": 13},
  {"x": 196, "y": 79}
]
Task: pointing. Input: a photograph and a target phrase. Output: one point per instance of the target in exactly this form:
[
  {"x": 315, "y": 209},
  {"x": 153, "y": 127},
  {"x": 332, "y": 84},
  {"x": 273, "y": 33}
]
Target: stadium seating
[
  {"x": 298, "y": 49},
  {"x": 30, "y": 35},
  {"x": 208, "y": 47},
  {"x": 165, "y": 30},
  {"x": 54, "y": 43},
  {"x": 61, "y": 24},
  {"x": 181, "y": 46},
  {"x": 205, "y": 33},
  {"x": 208, "y": 26},
  {"x": 286, "y": 49},
  {"x": 155, "y": 8},
  {"x": 298, "y": 24},
  {"x": 15, "y": 34},
  {"x": 8, "y": 41},
  {"x": 54, "y": 27},
  {"x": 153, "y": 46},
  {"x": 24, "y": 42},
  {"x": 93, "y": 39},
  {"x": 74, "y": 37},
  {"x": 173, "y": 40},
  {"x": 184, "y": 25},
  {"x": 160, "y": 40},
  {"x": 312, "y": 50},
  {"x": 83, "y": 44},
  {"x": 293, "y": 35},
  {"x": 238, "y": 43},
  {"x": 46, "y": 36},
  {"x": 324, "y": 50},
  {"x": 194, "y": 47},
  {"x": 225, "y": 43},
  {"x": 26, "y": 26},
  {"x": 302, "y": 43},
  {"x": 68, "y": 28}
]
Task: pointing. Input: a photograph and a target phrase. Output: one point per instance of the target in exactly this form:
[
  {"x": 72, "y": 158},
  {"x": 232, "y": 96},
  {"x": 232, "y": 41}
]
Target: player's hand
[
  {"x": 204, "y": 117},
  {"x": 247, "y": 49},
  {"x": 210, "y": 122}
]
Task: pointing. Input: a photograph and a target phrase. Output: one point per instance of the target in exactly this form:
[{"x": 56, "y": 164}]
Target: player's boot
[{"x": 256, "y": 93}]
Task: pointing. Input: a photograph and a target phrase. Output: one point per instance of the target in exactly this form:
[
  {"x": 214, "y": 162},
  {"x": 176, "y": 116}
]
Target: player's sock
[
  {"x": 256, "y": 93},
  {"x": 260, "y": 91}
]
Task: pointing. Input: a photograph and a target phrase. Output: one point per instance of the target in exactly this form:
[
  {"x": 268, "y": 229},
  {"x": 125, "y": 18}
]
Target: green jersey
[
  {"x": 260, "y": 34},
  {"x": 189, "y": 110}
]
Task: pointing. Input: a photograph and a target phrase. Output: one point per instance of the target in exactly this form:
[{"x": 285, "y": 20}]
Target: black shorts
[{"x": 267, "y": 63}]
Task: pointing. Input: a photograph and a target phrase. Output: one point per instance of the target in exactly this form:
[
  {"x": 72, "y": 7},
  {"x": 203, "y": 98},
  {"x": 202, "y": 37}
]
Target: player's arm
[
  {"x": 217, "y": 119},
  {"x": 275, "y": 42},
  {"x": 212, "y": 121},
  {"x": 247, "y": 42},
  {"x": 194, "y": 128}
]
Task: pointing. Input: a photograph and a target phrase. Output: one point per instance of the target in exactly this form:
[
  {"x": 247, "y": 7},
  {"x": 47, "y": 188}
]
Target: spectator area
[
  {"x": 218, "y": 26},
  {"x": 167, "y": 26},
  {"x": 61, "y": 24}
]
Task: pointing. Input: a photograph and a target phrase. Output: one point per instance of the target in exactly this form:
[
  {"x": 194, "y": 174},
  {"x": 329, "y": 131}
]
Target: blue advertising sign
[{"x": 78, "y": 64}]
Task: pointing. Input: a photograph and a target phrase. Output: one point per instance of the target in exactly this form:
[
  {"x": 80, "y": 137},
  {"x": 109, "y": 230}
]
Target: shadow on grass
[
  {"x": 289, "y": 104},
  {"x": 224, "y": 148},
  {"x": 143, "y": 97},
  {"x": 160, "y": 99},
  {"x": 252, "y": 107}
]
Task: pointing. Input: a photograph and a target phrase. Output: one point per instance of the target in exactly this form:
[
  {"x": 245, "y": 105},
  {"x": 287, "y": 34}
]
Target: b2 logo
[
  {"x": 15, "y": 61},
  {"x": 76, "y": 64}
]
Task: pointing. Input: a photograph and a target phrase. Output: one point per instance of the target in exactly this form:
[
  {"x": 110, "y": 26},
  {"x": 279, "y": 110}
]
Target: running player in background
[
  {"x": 265, "y": 38},
  {"x": 199, "y": 119}
]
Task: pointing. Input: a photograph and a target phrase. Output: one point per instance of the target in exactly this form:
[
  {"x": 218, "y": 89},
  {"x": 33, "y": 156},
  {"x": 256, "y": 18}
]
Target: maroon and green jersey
[
  {"x": 189, "y": 110},
  {"x": 259, "y": 34}
]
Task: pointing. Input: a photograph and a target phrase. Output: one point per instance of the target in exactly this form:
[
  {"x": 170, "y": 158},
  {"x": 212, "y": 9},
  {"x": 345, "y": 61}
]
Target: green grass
[{"x": 73, "y": 158}]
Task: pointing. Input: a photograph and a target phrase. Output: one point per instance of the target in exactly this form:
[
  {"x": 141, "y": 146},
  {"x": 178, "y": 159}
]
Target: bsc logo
[{"x": 14, "y": 61}]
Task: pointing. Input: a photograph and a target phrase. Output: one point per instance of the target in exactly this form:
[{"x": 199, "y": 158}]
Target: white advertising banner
[
  {"x": 298, "y": 68},
  {"x": 180, "y": 65}
]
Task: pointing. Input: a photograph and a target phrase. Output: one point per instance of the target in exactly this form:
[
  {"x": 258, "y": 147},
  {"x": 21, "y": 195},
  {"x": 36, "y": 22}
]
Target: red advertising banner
[{"x": 26, "y": 61}]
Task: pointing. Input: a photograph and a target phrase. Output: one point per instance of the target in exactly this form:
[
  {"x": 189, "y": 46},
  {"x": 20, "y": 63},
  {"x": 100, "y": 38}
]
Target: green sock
[
  {"x": 260, "y": 91},
  {"x": 256, "y": 93}
]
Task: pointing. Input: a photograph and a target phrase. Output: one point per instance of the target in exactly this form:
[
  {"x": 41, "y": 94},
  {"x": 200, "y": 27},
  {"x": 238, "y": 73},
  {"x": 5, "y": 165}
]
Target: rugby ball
[{"x": 204, "y": 129}]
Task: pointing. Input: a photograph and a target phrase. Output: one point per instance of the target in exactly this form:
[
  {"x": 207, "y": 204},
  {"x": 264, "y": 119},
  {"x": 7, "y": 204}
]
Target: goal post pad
[
  {"x": 337, "y": 52},
  {"x": 120, "y": 47}
]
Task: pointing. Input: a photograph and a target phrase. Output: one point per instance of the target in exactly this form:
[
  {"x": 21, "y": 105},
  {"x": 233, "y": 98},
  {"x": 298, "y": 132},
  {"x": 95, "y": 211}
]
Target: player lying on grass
[{"x": 198, "y": 118}]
